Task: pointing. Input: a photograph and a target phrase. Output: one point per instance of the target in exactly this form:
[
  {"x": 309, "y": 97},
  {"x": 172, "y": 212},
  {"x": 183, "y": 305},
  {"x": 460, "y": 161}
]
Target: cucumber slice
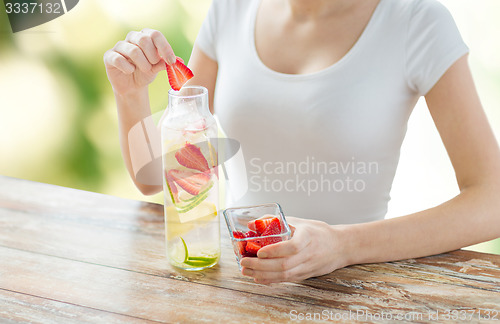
[
  {"x": 192, "y": 205},
  {"x": 200, "y": 194}
]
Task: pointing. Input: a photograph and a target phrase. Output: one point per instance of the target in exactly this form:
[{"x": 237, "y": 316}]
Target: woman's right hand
[{"x": 132, "y": 64}]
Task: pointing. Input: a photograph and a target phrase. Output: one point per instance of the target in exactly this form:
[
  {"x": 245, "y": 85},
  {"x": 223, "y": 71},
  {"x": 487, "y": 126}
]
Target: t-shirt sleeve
[
  {"x": 433, "y": 45},
  {"x": 207, "y": 37}
]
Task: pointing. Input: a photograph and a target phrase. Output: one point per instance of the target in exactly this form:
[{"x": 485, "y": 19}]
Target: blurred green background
[
  {"x": 58, "y": 118},
  {"x": 57, "y": 115}
]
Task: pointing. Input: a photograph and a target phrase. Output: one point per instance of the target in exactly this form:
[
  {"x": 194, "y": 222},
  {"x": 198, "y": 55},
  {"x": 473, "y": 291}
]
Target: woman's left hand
[{"x": 315, "y": 249}]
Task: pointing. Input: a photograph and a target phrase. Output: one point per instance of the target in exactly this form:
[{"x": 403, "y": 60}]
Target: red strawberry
[
  {"x": 239, "y": 235},
  {"x": 273, "y": 227},
  {"x": 178, "y": 74},
  {"x": 248, "y": 255},
  {"x": 192, "y": 182},
  {"x": 262, "y": 224},
  {"x": 191, "y": 157},
  {"x": 241, "y": 244},
  {"x": 251, "y": 234},
  {"x": 270, "y": 240},
  {"x": 252, "y": 247},
  {"x": 172, "y": 187}
]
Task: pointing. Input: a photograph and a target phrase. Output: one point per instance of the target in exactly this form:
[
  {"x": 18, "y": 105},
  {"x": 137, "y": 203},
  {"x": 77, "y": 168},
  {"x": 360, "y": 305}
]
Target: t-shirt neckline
[{"x": 355, "y": 48}]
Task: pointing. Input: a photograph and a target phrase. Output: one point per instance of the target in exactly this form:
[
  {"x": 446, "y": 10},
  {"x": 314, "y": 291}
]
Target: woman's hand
[
  {"x": 315, "y": 249},
  {"x": 132, "y": 64}
]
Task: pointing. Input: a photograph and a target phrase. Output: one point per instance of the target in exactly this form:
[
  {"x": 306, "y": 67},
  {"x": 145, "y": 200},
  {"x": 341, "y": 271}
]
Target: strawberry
[
  {"x": 273, "y": 227},
  {"x": 172, "y": 187},
  {"x": 262, "y": 224},
  {"x": 251, "y": 234},
  {"x": 241, "y": 244},
  {"x": 266, "y": 227},
  {"x": 239, "y": 234},
  {"x": 191, "y": 157},
  {"x": 248, "y": 255},
  {"x": 178, "y": 74},
  {"x": 191, "y": 182},
  {"x": 252, "y": 247},
  {"x": 270, "y": 240}
]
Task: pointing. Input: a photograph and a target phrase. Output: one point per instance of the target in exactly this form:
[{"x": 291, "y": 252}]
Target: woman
[{"x": 319, "y": 93}]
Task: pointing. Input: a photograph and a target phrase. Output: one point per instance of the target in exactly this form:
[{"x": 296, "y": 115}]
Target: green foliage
[{"x": 5, "y": 30}]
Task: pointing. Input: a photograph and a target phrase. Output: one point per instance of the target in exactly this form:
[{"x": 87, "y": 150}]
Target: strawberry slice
[
  {"x": 262, "y": 224},
  {"x": 191, "y": 157},
  {"x": 252, "y": 248},
  {"x": 251, "y": 234},
  {"x": 273, "y": 228},
  {"x": 178, "y": 74},
  {"x": 241, "y": 244},
  {"x": 172, "y": 187},
  {"x": 191, "y": 182}
]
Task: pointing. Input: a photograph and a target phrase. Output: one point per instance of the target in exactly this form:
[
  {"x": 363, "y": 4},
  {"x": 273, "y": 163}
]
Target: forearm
[
  {"x": 471, "y": 217},
  {"x": 139, "y": 141}
]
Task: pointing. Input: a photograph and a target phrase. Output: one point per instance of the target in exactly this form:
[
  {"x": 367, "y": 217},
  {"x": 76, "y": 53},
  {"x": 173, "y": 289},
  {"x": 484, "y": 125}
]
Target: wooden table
[{"x": 70, "y": 256}]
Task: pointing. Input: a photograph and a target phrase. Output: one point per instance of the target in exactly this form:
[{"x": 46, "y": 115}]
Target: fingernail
[
  {"x": 171, "y": 59},
  {"x": 262, "y": 255}
]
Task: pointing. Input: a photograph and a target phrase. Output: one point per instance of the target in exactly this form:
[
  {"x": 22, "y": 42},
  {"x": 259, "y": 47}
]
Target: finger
[
  {"x": 267, "y": 277},
  {"x": 297, "y": 243},
  {"x": 118, "y": 61},
  {"x": 160, "y": 66},
  {"x": 146, "y": 44},
  {"x": 276, "y": 264},
  {"x": 161, "y": 44},
  {"x": 134, "y": 54},
  {"x": 251, "y": 225}
]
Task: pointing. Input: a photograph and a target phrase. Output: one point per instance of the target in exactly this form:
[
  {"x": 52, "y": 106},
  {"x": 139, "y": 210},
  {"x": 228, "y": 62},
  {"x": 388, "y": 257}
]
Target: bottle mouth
[{"x": 188, "y": 92}]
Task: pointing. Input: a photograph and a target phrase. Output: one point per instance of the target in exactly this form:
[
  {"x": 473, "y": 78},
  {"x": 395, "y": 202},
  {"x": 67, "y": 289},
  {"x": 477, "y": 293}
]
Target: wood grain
[
  {"x": 116, "y": 247},
  {"x": 135, "y": 294},
  {"x": 18, "y": 307}
]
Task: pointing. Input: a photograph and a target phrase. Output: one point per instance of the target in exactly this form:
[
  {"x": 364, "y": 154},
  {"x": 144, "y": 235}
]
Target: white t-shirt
[{"x": 325, "y": 145}]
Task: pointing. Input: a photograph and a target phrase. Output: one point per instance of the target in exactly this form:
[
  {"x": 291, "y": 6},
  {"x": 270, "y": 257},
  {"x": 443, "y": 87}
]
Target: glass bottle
[{"x": 190, "y": 180}]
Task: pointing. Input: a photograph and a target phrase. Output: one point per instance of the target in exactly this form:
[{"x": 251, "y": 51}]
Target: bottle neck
[
  {"x": 190, "y": 99},
  {"x": 188, "y": 107}
]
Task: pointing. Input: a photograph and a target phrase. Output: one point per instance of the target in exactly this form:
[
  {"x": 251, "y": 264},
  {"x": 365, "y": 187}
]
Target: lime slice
[
  {"x": 200, "y": 261},
  {"x": 179, "y": 253},
  {"x": 185, "y": 249}
]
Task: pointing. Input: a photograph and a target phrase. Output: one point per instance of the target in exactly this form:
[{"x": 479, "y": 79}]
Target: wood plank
[
  {"x": 144, "y": 252},
  {"x": 136, "y": 294},
  {"x": 461, "y": 268},
  {"x": 17, "y": 307},
  {"x": 131, "y": 237},
  {"x": 80, "y": 206}
]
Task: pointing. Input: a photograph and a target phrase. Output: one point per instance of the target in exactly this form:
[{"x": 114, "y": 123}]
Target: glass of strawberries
[{"x": 253, "y": 227}]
